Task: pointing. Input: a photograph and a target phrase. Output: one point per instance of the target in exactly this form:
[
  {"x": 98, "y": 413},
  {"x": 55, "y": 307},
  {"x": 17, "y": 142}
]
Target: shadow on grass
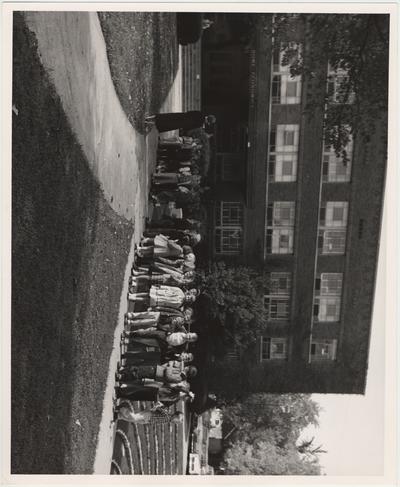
[{"x": 69, "y": 251}]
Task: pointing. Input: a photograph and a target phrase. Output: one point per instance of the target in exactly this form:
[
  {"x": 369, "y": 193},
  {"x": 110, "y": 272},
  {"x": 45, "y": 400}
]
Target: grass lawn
[
  {"x": 68, "y": 258},
  {"x": 143, "y": 54}
]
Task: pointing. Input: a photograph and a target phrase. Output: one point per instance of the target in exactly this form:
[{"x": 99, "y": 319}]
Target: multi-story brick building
[{"x": 287, "y": 204}]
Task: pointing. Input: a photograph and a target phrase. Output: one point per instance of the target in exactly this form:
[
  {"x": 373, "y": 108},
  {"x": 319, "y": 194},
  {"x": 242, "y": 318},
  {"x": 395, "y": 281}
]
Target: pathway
[{"x": 72, "y": 50}]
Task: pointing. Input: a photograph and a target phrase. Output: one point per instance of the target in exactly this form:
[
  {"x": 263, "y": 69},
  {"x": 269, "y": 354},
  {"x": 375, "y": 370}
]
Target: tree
[
  {"x": 266, "y": 439},
  {"x": 235, "y": 296},
  {"x": 354, "y": 44},
  {"x": 306, "y": 447},
  {"x": 286, "y": 414},
  {"x": 267, "y": 458}
]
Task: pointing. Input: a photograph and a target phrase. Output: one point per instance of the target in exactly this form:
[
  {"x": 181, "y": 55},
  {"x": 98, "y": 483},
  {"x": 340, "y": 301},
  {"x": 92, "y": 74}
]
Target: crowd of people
[{"x": 157, "y": 345}]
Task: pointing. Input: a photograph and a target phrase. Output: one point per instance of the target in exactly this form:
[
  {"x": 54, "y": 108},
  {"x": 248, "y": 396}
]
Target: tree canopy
[
  {"x": 235, "y": 301},
  {"x": 267, "y": 438},
  {"x": 357, "y": 48}
]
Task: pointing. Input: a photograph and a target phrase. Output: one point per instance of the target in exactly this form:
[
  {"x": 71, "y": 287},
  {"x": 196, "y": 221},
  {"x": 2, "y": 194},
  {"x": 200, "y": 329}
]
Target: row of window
[
  {"x": 327, "y": 296},
  {"x": 283, "y": 155},
  {"x": 280, "y": 224},
  {"x": 332, "y": 228},
  {"x": 286, "y": 89},
  {"x": 277, "y": 349}
]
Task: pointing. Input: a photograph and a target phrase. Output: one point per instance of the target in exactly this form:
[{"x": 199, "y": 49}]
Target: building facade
[{"x": 286, "y": 203}]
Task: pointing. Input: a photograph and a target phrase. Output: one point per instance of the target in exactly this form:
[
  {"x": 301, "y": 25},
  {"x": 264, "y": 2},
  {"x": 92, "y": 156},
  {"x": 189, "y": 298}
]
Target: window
[
  {"x": 283, "y": 149},
  {"x": 277, "y": 297},
  {"x": 334, "y": 214},
  {"x": 332, "y": 241},
  {"x": 283, "y": 56},
  {"x": 229, "y": 227},
  {"x": 323, "y": 349},
  {"x": 273, "y": 348},
  {"x": 331, "y": 283},
  {"x": 285, "y": 89},
  {"x": 280, "y": 227},
  {"x": 333, "y": 227},
  {"x": 327, "y": 302},
  {"x": 334, "y": 168},
  {"x": 338, "y": 88}
]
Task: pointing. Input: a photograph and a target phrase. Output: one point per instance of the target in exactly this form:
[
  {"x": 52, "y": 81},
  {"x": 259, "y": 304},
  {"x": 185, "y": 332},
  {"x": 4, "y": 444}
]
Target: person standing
[
  {"x": 170, "y": 296},
  {"x": 159, "y": 246},
  {"x": 189, "y": 120},
  {"x": 175, "y": 339},
  {"x": 173, "y": 371}
]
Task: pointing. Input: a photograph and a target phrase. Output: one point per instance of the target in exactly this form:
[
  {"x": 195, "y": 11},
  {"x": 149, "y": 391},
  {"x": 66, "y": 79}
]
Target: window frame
[
  {"x": 328, "y": 225},
  {"x": 226, "y": 227},
  {"x": 332, "y": 353},
  {"x": 268, "y": 354},
  {"x": 280, "y": 152},
  {"x": 278, "y": 229}
]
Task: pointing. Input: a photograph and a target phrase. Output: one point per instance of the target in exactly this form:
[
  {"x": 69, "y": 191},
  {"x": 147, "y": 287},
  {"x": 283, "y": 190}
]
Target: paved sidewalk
[
  {"x": 104, "y": 452},
  {"x": 73, "y": 52}
]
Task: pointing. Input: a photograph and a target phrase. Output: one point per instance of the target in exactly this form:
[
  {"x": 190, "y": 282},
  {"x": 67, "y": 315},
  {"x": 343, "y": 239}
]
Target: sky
[{"x": 352, "y": 426}]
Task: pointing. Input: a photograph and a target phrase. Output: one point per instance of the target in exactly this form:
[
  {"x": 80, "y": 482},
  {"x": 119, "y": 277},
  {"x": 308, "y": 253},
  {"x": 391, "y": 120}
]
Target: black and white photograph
[{"x": 199, "y": 241}]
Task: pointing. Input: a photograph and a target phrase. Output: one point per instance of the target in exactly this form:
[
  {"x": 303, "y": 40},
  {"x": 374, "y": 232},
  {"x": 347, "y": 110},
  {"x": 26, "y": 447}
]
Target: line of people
[{"x": 157, "y": 354}]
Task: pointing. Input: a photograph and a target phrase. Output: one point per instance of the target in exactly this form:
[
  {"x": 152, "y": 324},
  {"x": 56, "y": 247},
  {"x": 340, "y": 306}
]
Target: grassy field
[
  {"x": 68, "y": 257},
  {"x": 143, "y": 54}
]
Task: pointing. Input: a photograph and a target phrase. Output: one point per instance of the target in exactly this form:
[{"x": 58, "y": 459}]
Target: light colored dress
[
  {"x": 176, "y": 339},
  {"x": 165, "y": 247},
  {"x": 169, "y": 296}
]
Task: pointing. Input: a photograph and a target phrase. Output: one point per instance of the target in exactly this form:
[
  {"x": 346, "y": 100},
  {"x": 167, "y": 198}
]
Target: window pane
[
  {"x": 331, "y": 284},
  {"x": 336, "y": 213},
  {"x": 286, "y": 167},
  {"x": 277, "y": 308},
  {"x": 291, "y": 88},
  {"x": 323, "y": 349},
  {"x": 229, "y": 227},
  {"x": 334, "y": 241},
  {"x": 329, "y": 308},
  {"x": 273, "y": 348},
  {"x": 280, "y": 227},
  {"x": 288, "y": 137}
]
